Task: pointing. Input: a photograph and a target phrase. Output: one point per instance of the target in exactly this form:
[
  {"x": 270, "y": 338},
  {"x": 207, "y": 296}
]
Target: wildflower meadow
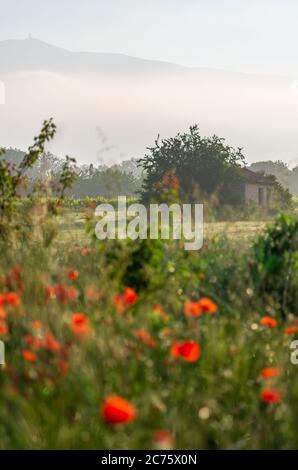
[{"x": 143, "y": 345}]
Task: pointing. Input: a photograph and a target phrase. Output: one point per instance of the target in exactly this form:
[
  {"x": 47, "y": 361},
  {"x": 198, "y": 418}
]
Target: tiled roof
[{"x": 257, "y": 178}]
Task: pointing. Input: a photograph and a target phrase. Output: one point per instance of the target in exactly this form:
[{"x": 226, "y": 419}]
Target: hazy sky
[{"x": 257, "y": 36}]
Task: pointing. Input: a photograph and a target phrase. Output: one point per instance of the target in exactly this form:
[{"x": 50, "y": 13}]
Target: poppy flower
[
  {"x": 192, "y": 309},
  {"x": 146, "y": 338},
  {"x": 14, "y": 279},
  {"x": 189, "y": 351},
  {"x": 130, "y": 296},
  {"x": 3, "y": 328},
  {"x": 126, "y": 299},
  {"x": 269, "y": 322},
  {"x": 117, "y": 410},
  {"x": 62, "y": 292},
  {"x": 51, "y": 344},
  {"x": 270, "y": 396},
  {"x": 270, "y": 372},
  {"x": 73, "y": 275},
  {"x": 207, "y": 305},
  {"x": 12, "y": 298},
  {"x": 50, "y": 292},
  {"x": 80, "y": 324},
  {"x": 291, "y": 330},
  {"x": 2, "y": 300},
  {"x": 3, "y": 314},
  {"x": 35, "y": 343},
  {"x": 29, "y": 356}
]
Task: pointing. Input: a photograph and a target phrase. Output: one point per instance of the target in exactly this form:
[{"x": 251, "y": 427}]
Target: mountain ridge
[{"x": 29, "y": 53}]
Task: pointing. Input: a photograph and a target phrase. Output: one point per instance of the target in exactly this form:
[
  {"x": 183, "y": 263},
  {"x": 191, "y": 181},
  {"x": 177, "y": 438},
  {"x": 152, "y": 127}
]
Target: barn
[{"x": 257, "y": 188}]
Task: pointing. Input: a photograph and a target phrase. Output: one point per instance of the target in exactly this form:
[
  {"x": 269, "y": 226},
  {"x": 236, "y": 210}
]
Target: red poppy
[
  {"x": 117, "y": 410},
  {"x": 270, "y": 372},
  {"x": 29, "y": 356},
  {"x": 51, "y": 343},
  {"x": 291, "y": 330},
  {"x": 14, "y": 279},
  {"x": 207, "y": 305},
  {"x": 3, "y": 314},
  {"x": 62, "y": 292},
  {"x": 269, "y": 322},
  {"x": 270, "y": 396},
  {"x": 80, "y": 325},
  {"x": 190, "y": 350},
  {"x": 146, "y": 338},
  {"x": 130, "y": 296},
  {"x": 73, "y": 275},
  {"x": 2, "y": 300},
  {"x": 3, "y": 328},
  {"x": 10, "y": 298},
  {"x": 125, "y": 300},
  {"x": 192, "y": 309},
  {"x": 32, "y": 341},
  {"x": 50, "y": 292}
]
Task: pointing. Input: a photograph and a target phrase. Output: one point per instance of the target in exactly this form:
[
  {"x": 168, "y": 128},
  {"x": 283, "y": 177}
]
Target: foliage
[
  {"x": 68, "y": 175},
  {"x": 14, "y": 181},
  {"x": 12, "y": 175},
  {"x": 275, "y": 266},
  {"x": 69, "y": 346},
  {"x": 202, "y": 164},
  {"x": 106, "y": 182},
  {"x": 288, "y": 178}
]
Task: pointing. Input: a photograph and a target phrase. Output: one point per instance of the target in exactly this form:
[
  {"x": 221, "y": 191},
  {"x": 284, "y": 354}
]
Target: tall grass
[{"x": 52, "y": 397}]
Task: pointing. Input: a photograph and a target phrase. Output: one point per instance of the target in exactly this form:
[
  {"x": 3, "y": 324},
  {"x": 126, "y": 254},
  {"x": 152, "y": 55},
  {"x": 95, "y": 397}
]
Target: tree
[
  {"x": 203, "y": 165},
  {"x": 294, "y": 181},
  {"x": 279, "y": 169},
  {"x": 12, "y": 175},
  {"x": 107, "y": 182}
]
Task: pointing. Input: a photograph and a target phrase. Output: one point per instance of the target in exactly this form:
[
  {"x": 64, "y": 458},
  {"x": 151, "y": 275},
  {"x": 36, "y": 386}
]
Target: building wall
[{"x": 258, "y": 193}]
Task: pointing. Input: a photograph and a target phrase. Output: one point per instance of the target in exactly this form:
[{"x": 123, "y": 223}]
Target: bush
[{"x": 275, "y": 265}]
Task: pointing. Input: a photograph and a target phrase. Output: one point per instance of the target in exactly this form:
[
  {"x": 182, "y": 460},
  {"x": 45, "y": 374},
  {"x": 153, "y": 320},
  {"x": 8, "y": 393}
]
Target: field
[
  {"x": 139, "y": 345},
  {"x": 72, "y": 225}
]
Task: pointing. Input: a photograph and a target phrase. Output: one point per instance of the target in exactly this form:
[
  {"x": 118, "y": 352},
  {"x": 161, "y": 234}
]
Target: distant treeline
[
  {"x": 93, "y": 181},
  {"x": 287, "y": 177},
  {"x": 126, "y": 178}
]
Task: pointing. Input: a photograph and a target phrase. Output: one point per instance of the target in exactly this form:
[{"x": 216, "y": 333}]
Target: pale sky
[{"x": 258, "y": 36}]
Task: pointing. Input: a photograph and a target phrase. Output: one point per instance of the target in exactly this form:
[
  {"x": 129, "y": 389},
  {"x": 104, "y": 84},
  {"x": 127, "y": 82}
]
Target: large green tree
[{"x": 203, "y": 166}]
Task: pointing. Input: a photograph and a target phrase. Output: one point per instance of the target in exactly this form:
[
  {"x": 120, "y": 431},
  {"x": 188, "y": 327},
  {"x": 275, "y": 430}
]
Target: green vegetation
[{"x": 198, "y": 343}]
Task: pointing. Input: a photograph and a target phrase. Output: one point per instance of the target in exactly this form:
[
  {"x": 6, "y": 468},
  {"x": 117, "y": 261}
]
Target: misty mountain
[
  {"x": 110, "y": 107},
  {"x": 32, "y": 54}
]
